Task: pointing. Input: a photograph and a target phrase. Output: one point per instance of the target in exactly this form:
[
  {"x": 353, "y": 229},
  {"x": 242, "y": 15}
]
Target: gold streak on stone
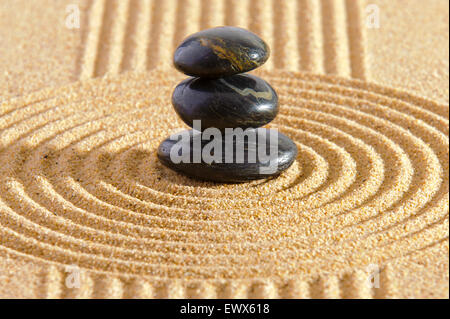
[
  {"x": 267, "y": 95},
  {"x": 237, "y": 63}
]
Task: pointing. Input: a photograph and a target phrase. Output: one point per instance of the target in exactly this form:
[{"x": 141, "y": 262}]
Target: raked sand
[{"x": 82, "y": 112}]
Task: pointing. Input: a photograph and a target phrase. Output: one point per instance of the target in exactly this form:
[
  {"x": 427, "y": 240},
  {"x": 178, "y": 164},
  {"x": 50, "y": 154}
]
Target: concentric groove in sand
[
  {"x": 137, "y": 35},
  {"x": 375, "y": 175}
]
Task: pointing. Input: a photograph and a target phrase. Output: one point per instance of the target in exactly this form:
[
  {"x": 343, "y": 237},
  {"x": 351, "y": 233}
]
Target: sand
[{"x": 82, "y": 112}]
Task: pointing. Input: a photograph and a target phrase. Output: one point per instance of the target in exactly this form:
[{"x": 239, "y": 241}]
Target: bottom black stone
[{"x": 262, "y": 153}]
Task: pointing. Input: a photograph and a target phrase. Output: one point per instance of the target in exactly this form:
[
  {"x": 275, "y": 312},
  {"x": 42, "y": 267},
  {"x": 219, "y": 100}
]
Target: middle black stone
[{"x": 241, "y": 100}]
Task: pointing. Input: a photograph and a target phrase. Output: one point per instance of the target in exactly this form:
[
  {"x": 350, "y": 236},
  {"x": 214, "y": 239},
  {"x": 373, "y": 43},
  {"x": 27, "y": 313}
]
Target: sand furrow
[
  {"x": 259, "y": 289},
  {"x": 358, "y": 285},
  {"x": 212, "y": 13},
  {"x": 108, "y": 287},
  {"x": 142, "y": 34},
  {"x": 163, "y": 31},
  {"x": 139, "y": 288},
  {"x": 52, "y": 283},
  {"x": 285, "y": 47},
  {"x": 96, "y": 11},
  {"x": 187, "y": 20},
  {"x": 103, "y": 59},
  {"x": 335, "y": 38},
  {"x": 356, "y": 38},
  {"x": 237, "y": 13},
  {"x": 295, "y": 289},
  {"x": 310, "y": 41},
  {"x": 129, "y": 40},
  {"x": 261, "y": 22},
  {"x": 326, "y": 287},
  {"x": 120, "y": 37}
]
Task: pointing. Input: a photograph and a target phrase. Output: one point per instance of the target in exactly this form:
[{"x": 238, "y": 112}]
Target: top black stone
[{"x": 219, "y": 52}]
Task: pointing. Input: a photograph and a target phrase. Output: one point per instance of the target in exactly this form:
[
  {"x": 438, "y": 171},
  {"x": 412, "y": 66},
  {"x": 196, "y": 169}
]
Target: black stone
[
  {"x": 236, "y": 101},
  {"x": 220, "y": 51},
  {"x": 229, "y": 172}
]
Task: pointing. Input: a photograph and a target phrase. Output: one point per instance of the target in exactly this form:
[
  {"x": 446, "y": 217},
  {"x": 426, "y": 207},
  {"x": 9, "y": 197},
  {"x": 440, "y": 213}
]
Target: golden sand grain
[{"x": 80, "y": 183}]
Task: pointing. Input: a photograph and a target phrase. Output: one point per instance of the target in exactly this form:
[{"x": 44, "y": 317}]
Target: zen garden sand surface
[{"x": 82, "y": 112}]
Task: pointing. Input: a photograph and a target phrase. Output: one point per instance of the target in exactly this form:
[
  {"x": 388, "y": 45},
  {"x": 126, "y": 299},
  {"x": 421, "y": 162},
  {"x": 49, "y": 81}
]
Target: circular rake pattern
[{"x": 81, "y": 183}]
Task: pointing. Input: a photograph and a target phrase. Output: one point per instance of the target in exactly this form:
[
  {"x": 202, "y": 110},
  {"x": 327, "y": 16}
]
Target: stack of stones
[{"x": 219, "y": 99}]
